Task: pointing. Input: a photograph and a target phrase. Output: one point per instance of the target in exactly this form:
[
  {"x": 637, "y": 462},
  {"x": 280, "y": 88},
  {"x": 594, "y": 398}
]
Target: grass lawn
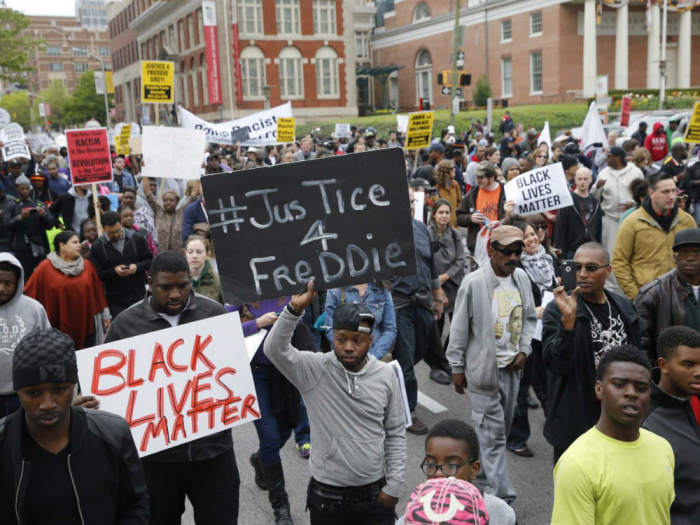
[{"x": 560, "y": 117}]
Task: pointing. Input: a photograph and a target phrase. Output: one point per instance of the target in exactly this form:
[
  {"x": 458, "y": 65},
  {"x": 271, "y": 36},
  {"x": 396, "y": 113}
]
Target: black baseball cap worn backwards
[{"x": 348, "y": 316}]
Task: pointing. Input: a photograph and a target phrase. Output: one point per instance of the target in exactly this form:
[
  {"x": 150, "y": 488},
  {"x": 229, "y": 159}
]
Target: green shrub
[{"x": 482, "y": 91}]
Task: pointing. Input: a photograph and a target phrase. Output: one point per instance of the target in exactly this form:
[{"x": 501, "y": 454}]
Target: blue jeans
[
  {"x": 302, "y": 432},
  {"x": 415, "y": 325},
  {"x": 273, "y": 432}
]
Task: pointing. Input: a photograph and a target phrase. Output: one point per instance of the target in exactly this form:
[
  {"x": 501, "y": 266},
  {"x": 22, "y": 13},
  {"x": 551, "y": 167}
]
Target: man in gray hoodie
[
  {"x": 19, "y": 315},
  {"x": 356, "y": 411}
]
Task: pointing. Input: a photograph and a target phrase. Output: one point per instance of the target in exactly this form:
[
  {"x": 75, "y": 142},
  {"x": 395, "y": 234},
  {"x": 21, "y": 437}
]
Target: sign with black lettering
[
  {"x": 542, "y": 189},
  {"x": 343, "y": 220}
]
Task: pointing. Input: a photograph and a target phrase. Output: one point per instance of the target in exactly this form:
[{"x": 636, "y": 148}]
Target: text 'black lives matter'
[{"x": 343, "y": 220}]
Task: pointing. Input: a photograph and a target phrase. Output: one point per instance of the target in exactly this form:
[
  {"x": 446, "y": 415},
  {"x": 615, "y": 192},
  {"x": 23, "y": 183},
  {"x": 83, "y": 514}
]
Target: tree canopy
[
  {"x": 15, "y": 46},
  {"x": 84, "y": 103}
]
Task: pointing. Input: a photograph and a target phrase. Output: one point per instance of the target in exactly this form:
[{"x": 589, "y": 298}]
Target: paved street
[{"x": 532, "y": 477}]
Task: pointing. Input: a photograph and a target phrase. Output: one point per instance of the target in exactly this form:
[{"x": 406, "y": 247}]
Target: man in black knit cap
[{"x": 61, "y": 464}]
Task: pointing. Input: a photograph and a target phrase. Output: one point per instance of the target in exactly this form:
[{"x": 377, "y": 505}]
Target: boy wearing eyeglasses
[
  {"x": 577, "y": 331},
  {"x": 492, "y": 326}
]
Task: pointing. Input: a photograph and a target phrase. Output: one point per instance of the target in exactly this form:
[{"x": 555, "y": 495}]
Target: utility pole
[
  {"x": 104, "y": 90},
  {"x": 455, "y": 50}
]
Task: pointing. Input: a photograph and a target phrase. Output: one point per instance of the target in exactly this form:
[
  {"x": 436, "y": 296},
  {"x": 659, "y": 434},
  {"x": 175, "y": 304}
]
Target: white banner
[
  {"x": 342, "y": 131},
  {"x": 172, "y": 153},
  {"x": 174, "y": 385},
  {"x": 542, "y": 189},
  {"x": 262, "y": 127},
  {"x": 593, "y": 131}
]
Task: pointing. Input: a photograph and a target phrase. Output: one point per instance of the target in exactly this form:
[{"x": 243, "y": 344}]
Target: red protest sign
[
  {"x": 89, "y": 156},
  {"x": 175, "y": 385},
  {"x": 626, "y": 109}
]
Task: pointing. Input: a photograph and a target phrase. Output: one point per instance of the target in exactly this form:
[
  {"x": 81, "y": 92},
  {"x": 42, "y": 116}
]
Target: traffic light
[
  {"x": 445, "y": 78},
  {"x": 465, "y": 79}
]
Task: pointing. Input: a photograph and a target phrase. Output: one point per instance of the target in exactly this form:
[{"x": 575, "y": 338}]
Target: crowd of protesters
[{"x": 613, "y": 357}]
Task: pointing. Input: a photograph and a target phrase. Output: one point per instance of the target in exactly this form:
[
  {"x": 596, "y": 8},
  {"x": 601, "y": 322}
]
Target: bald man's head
[{"x": 583, "y": 180}]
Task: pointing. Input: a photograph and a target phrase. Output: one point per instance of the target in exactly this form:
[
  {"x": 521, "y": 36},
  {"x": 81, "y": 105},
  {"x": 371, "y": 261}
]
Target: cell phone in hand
[{"x": 568, "y": 275}]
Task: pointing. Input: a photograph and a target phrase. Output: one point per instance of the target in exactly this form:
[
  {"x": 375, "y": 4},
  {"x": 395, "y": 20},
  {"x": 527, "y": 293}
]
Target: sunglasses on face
[
  {"x": 508, "y": 251},
  {"x": 590, "y": 268}
]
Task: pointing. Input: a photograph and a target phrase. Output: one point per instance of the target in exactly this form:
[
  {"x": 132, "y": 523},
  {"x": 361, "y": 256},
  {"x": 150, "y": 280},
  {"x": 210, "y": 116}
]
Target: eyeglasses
[
  {"x": 541, "y": 156},
  {"x": 590, "y": 268},
  {"x": 448, "y": 469},
  {"x": 508, "y": 252},
  {"x": 541, "y": 227}
]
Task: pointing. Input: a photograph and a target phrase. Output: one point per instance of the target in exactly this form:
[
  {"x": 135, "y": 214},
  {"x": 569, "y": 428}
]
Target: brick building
[
  {"x": 69, "y": 50},
  {"x": 303, "y": 51},
  {"x": 532, "y": 51}
]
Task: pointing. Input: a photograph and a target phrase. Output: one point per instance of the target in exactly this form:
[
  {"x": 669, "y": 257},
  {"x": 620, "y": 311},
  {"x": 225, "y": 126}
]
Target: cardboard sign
[
  {"x": 172, "y": 152},
  {"x": 420, "y": 130},
  {"x": 542, "y": 189},
  {"x": 157, "y": 81},
  {"x": 626, "y": 109},
  {"x": 342, "y": 131},
  {"x": 285, "y": 129},
  {"x": 262, "y": 126},
  {"x": 5, "y": 118},
  {"x": 332, "y": 218},
  {"x": 175, "y": 385},
  {"x": 89, "y": 156},
  {"x": 692, "y": 132},
  {"x": 239, "y": 135}
]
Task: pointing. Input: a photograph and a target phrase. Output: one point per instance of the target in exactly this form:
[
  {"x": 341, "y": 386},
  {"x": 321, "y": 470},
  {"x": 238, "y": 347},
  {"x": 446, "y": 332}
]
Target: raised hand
[
  {"x": 300, "y": 302},
  {"x": 567, "y": 305}
]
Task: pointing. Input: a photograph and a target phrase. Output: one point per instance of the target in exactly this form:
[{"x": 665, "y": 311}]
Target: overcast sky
[{"x": 43, "y": 7}]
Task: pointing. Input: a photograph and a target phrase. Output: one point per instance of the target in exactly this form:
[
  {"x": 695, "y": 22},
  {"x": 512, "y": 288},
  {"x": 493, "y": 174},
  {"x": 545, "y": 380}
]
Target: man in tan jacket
[{"x": 644, "y": 245}]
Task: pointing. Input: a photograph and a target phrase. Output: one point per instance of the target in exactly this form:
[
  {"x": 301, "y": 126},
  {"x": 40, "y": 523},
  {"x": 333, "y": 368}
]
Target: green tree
[
  {"x": 17, "y": 105},
  {"x": 84, "y": 103},
  {"x": 482, "y": 91},
  {"x": 15, "y": 47},
  {"x": 56, "y": 96}
]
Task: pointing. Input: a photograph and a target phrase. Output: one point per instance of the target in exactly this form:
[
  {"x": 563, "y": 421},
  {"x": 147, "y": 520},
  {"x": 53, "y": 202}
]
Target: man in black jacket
[
  {"x": 671, "y": 416},
  {"x": 63, "y": 465},
  {"x": 577, "y": 331},
  {"x": 672, "y": 298},
  {"x": 205, "y": 469},
  {"x": 122, "y": 258}
]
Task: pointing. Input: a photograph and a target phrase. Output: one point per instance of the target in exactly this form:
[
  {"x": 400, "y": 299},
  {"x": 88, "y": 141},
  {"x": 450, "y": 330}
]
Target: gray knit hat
[
  {"x": 22, "y": 179},
  {"x": 44, "y": 356},
  {"x": 508, "y": 163}
]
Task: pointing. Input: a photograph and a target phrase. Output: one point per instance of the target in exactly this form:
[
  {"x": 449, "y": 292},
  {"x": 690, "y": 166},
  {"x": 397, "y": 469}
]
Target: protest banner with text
[
  {"x": 343, "y": 220},
  {"x": 692, "y": 132},
  {"x": 157, "y": 81},
  {"x": 89, "y": 156},
  {"x": 420, "y": 130},
  {"x": 175, "y": 385},
  {"x": 14, "y": 142},
  {"x": 542, "y": 189},
  {"x": 172, "y": 152}
]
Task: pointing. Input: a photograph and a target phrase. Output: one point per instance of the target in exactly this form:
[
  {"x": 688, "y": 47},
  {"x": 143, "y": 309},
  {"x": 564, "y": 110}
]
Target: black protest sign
[
  {"x": 239, "y": 135},
  {"x": 343, "y": 220}
]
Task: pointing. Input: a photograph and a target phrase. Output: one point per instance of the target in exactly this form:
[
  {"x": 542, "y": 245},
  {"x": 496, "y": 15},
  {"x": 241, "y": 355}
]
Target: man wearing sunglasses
[
  {"x": 577, "y": 331},
  {"x": 492, "y": 326}
]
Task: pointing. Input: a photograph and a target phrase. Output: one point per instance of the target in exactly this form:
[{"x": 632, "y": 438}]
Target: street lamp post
[{"x": 104, "y": 89}]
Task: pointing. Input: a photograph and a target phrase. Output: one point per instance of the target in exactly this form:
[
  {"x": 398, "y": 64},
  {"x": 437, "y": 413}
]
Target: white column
[
  {"x": 622, "y": 48},
  {"x": 653, "y": 39},
  {"x": 590, "y": 58},
  {"x": 684, "y": 43}
]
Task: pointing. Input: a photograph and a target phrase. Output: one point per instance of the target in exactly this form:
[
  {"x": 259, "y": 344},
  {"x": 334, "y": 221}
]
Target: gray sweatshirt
[
  {"x": 358, "y": 424},
  {"x": 18, "y": 316}
]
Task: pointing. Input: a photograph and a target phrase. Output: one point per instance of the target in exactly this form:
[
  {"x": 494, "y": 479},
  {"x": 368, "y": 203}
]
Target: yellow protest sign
[
  {"x": 285, "y": 129},
  {"x": 121, "y": 141},
  {"x": 420, "y": 130},
  {"x": 157, "y": 81},
  {"x": 109, "y": 82},
  {"x": 692, "y": 132}
]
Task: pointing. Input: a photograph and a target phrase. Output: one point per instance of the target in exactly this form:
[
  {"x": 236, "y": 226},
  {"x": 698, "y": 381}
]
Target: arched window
[
  {"x": 421, "y": 12},
  {"x": 291, "y": 73},
  {"x": 253, "y": 72},
  {"x": 327, "y": 73},
  {"x": 205, "y": 80},
  {"x": 424, "y": 77}
]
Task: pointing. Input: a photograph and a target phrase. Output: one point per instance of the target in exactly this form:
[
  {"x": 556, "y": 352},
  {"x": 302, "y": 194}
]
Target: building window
[
  {"x": 53, "y": 51},
  {"x": 536, "y": 72},
  {"x": 195, "y": 87},
  {"x": 181, "y": 35},
  {"x": 424, "y": 77},
  {"x": 421, "y": 12},
  {"x": 205, "y": 80},
  {"x": 80, "y": 67},
  {"x": 104, "y": 51},
  {"x": 362, "y": 44},
  {"x": 506, "y": 77},
  {"x": 200, "y": 26},
  {"x": 291, "y": 74},
  {"x": 288, "y": 17},
  {"x": 536, "y": 24},
  {"x": 253, "y": 72},
  {"x": 55, "y": 66},
  {"x": 250, "y": 20},
  {"x": 172, "y": 39},
  {"x": 190, "y": 32},
  {"x": 506, "y": 31},
  {"x": 324, "y": 17},
  {"x": 327, "y": 73},
  {"x": 80, "y": 51}
]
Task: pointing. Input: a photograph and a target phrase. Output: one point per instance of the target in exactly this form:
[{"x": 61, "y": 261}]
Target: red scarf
[{"x": 695, "y": 403}]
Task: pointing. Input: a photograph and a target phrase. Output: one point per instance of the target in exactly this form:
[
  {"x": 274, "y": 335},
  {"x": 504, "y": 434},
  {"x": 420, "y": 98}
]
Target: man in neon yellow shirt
[{"x": 617, "y": 474}]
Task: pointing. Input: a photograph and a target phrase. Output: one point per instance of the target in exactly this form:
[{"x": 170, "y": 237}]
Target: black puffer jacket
[
  {"x": 140, "y": 319},
  {"x": 109, "y": 484}
]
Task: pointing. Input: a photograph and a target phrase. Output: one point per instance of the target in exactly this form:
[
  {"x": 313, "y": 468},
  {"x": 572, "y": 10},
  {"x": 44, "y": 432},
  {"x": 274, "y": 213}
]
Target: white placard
[
  {"x": 419, "y": 205},
  {"x": 252, "y": 342},
  {"x": 12, "y": 131},
  {"x": 262, "y": 126},
  {"x": 342, "y": 131},
  {"x": 547, "y": 297},
  {"x": 542, "y": 189},
  {"x": 15, "y": 149},
  {"x": 5, "y": 118},
  {"x": 173, "y": 152},
  {"x": 402, "y": 123},
  {"x": 175, "y": 385}
]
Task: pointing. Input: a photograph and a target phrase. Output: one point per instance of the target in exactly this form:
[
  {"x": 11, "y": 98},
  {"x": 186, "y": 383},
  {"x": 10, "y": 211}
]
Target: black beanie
[{"x": 44, "y": 356}]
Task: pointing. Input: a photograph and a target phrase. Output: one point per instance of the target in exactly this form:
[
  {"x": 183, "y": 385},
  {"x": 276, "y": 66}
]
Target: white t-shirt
[{"x": 507, "y": 311}]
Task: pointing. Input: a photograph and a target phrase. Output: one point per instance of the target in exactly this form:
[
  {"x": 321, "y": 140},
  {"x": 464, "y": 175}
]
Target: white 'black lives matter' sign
[
  {"x": 342, "y": 220},
  {"x": 542, "y": 189}
]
